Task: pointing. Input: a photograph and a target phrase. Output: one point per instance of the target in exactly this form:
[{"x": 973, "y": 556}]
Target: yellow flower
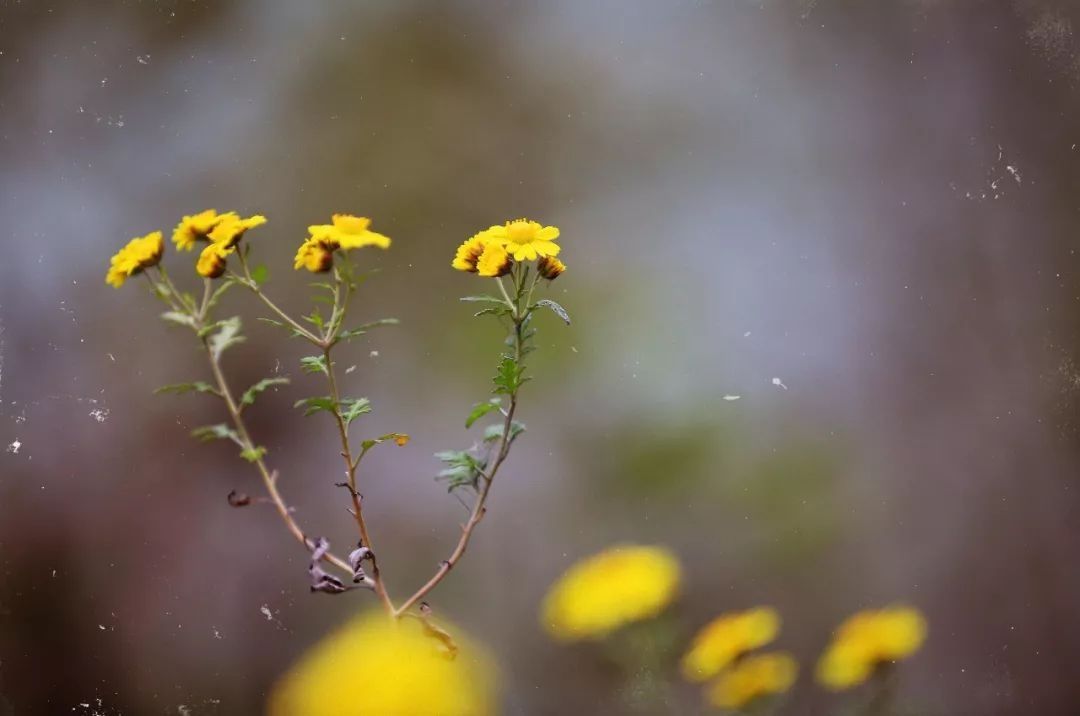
[
  {"x": 402, "y": 440},
  {"x": 726, "y": 638},
  {"x": 350, "y": 232},
  {"x": 468, "y": 254},
  {"x": 550, "y": 267},
  {"x": 867, "y": 640},
  {"x": 316, "y": 255},
  {"x": 601, "y": 593},
  {"x": 374, "y": 665},
  {"x": 494, "y": 261},
  {"x": 753, "y": 677},
  {"x": 211, "y": 263},
  {"x": 231, "y": 228},
  {"x": 138, "y": 254},
  {"x": 526, "y": 240},
  {"x": 196, "y": 228}
]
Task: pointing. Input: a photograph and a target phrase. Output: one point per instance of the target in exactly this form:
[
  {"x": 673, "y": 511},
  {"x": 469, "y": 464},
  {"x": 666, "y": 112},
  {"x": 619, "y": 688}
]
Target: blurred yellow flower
[
  {"x": 349, "y": 232},
  {"x": 196, "y": 228},
  {"x": 468, "y": 254},
  {"x": 231, "y": 228},
  {"x": 726, "y": 638},
  {"x": 599, "y": 594},
  {"x": 550, "y": 267},
  {"x": 494, "y": 261},
  {"x": 867, "y": 640},
  {"x": 751, "y": 678},
  {"x": 138, "y": 254},
  {"x": 212, "y": 260},
  {"x": 526, "y": 240},
  {"x": 375, "y": 665}
]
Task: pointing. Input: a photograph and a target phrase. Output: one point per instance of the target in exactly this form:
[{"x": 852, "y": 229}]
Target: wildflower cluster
[
  {"x": 603, "y": 593},
  {"x": 411, "y": 681},
  {"x": 492, "y": 252}
]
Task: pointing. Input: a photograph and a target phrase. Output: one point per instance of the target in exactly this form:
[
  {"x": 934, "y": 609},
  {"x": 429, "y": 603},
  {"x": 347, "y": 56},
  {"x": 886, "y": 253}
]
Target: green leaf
[
  {"x": 495, "y": 432},
  {"x": 556, "y": 309},
  {"x": 259, "y": 274},
  {"x": 484, "y": 298},
  {"x": 353, "y": 408},
  {"x": 315, "y": 404},
  {"x": 219, "y": 292},
  {"x": 197, "y": 386},
  {"x": 180, "y": 319},
  {"x": 493, "y": 311},
  {"x": 253, "y": 454},
  {"x": 314, "y": 364},
  {"x": 226, "y": 337},
  {"x": 295, "y": 333},
  {"x": 509, "y": 377},
  {"x": 248, "y": 398},
  {"x": 315, "y": 319},
  {"x": 462, "y": 469},
  {"x": 221, "y": 431},
  {"x": 362, "y": 329},
  {"x": 481, "y": 409}
]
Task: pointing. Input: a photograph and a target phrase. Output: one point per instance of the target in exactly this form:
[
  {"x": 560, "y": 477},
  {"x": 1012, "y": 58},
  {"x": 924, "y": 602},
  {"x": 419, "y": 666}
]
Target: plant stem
[
  {"x": 350, "y": 474},
  {"x": 249, "y": 282},
  {"x": 479, "y": 508}
]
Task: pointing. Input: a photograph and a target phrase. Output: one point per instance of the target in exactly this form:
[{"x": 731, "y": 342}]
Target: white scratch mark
[{"x": 779, "y": 383}]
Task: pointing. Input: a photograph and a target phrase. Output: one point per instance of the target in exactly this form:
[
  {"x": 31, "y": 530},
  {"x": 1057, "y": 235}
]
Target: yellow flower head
[
  {"x": 231, "y": 228},
  {"x": 375, "y": 665},
  {"x": 494, "y": 261},
  {"x": 316, "y": 255},
  {"x": 468, "y": 254},
  {"x": 601, "y": 593},
  {"x": 726, "y": 638},
  {"x": 526, "y": 240},
  {"x": 550, "y": 267},
  {"x": 196, "y": 228},
  {"x": 349, "y": 232},
  {"x": 138, "y": 254},
  {"x": 867, "y": 640},
  {"x": 212, "y": 260},
  {"x": 753, "y": 677}
]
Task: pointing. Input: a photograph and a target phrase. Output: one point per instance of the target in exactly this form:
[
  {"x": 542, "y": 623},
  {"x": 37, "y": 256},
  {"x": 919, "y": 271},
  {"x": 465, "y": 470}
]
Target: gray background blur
[{"x": 875, "y": 202}]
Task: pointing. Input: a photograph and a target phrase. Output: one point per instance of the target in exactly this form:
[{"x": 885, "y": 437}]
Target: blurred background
[{"x": 858, "y": 218}]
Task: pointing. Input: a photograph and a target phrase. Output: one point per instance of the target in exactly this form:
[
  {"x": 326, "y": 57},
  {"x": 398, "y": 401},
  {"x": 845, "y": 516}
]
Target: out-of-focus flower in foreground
[
  {"x": 726, "y": 638},
  {"x": 375, "y": 665},
  {"x": 868, "y": 640},
  {"x": 752, "y": 678},
  {"x": 623, "y": 584},
  {"x": 138, "y": 254}
]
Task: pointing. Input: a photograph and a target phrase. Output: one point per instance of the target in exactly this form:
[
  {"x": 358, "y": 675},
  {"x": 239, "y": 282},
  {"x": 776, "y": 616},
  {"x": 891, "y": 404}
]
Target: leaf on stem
[
  {"x": 315, "y": 364},
  {"x": 462, "y": 469},
  {"x": 249, "y": 395},
  {"x": 353, "y": 408},
  {"x": 197, "y": 386},
  {"x": 315, "y": 404},
  {"x": 495, "y": 432},
  {"x": 253, "y": 454},
  {"x": 220, "y": 431},
  {"x": 484, "y": 298},
  {"x": 227, "y": 336},
  {"x": 260, "y": 274},
  {"x": 400, "y": 438},
  {"x": 481, "y": 409},
  {"x": 555, "y": 308},
  {"x": 509, "y": 377},
  {"x": 362, "y": 329},
  {"x": 180, "y": 319}
]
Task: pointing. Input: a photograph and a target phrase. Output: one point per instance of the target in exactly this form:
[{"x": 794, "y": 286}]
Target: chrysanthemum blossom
[
  {"x": 196, "y": 227},
  {"x": 212, "y": 261},
  {"x": 138, "y": 254},
  {"x": 468, "y": 254},
  {"x": 752, "y": 678},
  {"x": 866, "y": 641},
  {"x": 231, "y": 228},
  {"x": 494, "y": 261},
  {"x": 602, "y": 593},
  {"x": 726, "y": 638},
  {"x": 526, "y": 240},
  {"x": 349, "y": 232},
  {"x": 550, "y": 267},
  {"x": 376, "y": 665}
]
